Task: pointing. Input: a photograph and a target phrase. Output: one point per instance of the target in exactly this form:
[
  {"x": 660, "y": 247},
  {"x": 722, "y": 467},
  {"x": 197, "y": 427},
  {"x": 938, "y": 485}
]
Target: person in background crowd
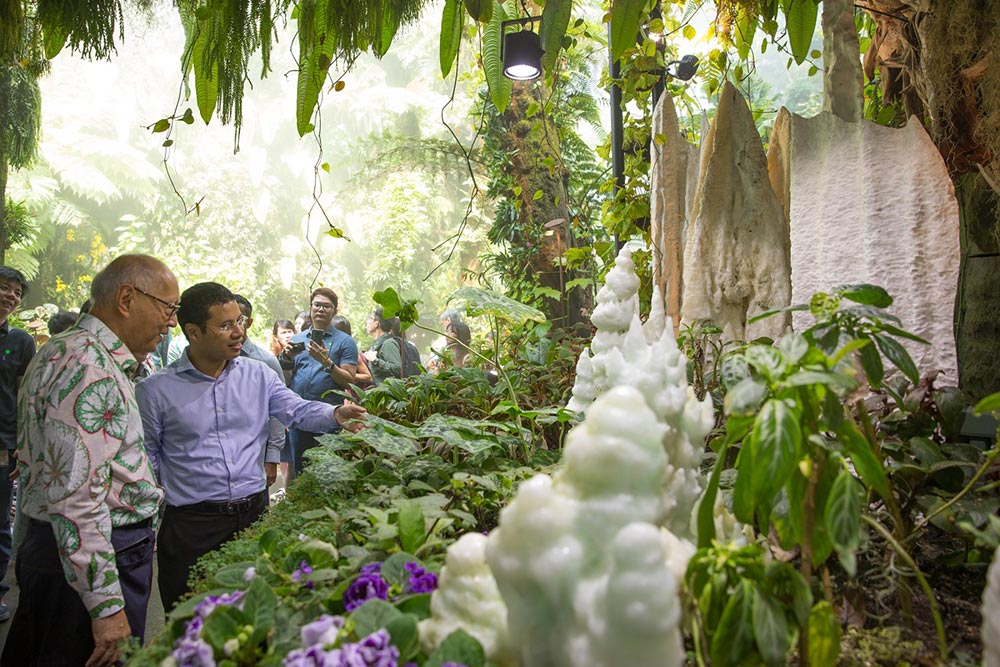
[
  {"x": 458, "y": 344},
  {"x": 303, "y": 321},
  {"x": 17, "y": 350},
  {"x": 363, "y": 376},
  {"x": 281, "y": 334},
  {"x": 383, "y": 357},
  {"x": 206, "y": 423},
  {"x": 325, "y": 360},
  {"x": 88, "y": 491},
  {"x": 62, "y": 320}
]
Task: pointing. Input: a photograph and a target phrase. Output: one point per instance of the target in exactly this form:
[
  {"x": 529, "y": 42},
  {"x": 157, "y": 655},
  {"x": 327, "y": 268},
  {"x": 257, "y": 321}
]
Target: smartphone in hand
[{"x": 317, "y": 335}]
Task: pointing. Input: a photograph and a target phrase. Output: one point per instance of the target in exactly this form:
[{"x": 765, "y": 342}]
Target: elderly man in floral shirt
[{"x": 89, "y": 492}]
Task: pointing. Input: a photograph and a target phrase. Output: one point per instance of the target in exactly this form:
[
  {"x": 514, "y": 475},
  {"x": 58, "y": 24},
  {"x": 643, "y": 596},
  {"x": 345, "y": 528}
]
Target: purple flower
[
  {"x": 208, "y": 605},
  {"x": 193, "y": 653},
  {"x": 421, "y": 581},
  {"x": 375, "y": 650},
  {"x": 322, "y": 631},
  {"x": 371, "y": 567},
  {"x": 365, "y": 587},
  {"x": 314, "y": 656},
  {"x": 304, "y": 569}
]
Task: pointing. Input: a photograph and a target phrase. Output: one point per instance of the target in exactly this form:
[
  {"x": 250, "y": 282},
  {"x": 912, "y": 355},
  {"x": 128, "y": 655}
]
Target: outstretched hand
[{"x": 351, "y": 416}]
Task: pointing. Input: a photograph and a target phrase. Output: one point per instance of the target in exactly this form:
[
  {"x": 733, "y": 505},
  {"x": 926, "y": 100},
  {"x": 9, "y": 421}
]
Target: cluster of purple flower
[
  {"x": 304, "y": 569},
  {"x": 375, "y": 650},
  {"x": 190, "y": 650},
  {"x": 369, "y": 584},
  {"x": 421, "y": 581}
]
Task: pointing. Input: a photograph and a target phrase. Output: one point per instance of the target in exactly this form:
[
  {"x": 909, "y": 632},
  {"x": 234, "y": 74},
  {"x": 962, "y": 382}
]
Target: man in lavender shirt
[{"x": 205, "y": 419}]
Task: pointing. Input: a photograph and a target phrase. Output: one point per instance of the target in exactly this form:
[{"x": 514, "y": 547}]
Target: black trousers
[
  {"x": 191, "y": 531},
  {"x": 51, "y": 627}
]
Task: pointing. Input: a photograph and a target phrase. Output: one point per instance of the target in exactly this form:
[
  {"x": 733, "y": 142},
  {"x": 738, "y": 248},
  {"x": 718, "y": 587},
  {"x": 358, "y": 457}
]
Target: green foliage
[
  {"x": 500, "y": 87},
  {"x": 20, "y": 115},
  {"x": 747, "y": 611},
  {"x": 88, "y": 27}
]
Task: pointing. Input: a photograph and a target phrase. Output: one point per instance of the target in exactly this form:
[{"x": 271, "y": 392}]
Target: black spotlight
[
  {"x": 684, "y": 68},
  {"x": 522, "y": 51}
]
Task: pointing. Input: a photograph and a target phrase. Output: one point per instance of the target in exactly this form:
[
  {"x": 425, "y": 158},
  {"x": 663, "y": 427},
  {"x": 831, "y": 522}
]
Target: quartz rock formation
[
  {"x": 467, "y": 598},
  {"x": 868, "y": 204},
  {"x": 991, "y": 615},
  {"x": 626, "y": 352},
  {"x": 736, "y": 261},
  {"x": 579, "y": 557}
]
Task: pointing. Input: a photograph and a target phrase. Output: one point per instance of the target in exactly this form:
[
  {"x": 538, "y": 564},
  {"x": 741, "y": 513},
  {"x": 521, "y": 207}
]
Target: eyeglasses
[
  {"x": 322, "y": 306},
  {"x": 171, "y": 307},
  {"x": 227, "y": 327}
]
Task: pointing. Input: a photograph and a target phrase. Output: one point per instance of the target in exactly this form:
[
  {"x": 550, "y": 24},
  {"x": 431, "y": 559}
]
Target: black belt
[
  {"x": 145, "y": 523},
  {"x": 225, "y": 507}
]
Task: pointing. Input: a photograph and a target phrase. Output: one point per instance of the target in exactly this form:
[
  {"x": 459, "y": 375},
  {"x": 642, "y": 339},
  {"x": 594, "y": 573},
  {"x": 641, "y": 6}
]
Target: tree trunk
[
  {"x": 536, "y": 167},
  {"x": 3, "y": 209}
]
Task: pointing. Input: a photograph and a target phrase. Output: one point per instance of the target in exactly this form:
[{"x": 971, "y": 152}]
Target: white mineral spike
[
  {"x": 578, "y": 558},
  {"x": 991, "y": 615},
  {"x": 467, "y": 598}
]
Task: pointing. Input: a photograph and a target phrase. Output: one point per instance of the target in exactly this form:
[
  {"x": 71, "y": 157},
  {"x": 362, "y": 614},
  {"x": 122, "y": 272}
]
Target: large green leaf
[
  {"x": 206, "y": 74},
  {"x": 411, "y": 526},
  {"x": 386, "y": 443},
  {"x": 460, "y": 648},
  {"x": 625, "y": 15},
  {"x": 478, "y": 301},
  {"x": 555, "y": 21},
  {"x": 733, "y": 640},
  {"x": 389, "y": 20},
  {"x": 824, "y": 636},
  {"x": 776, "y": 442},
  {"x": 871, "y": 295},
  {"x": 743, "y": 32},
  {"x": 451, "y": 34},
  {"x": 865, "y": 462},
  {"x": 843, "y": 518},
  {"x": 989, "y": 404},
  {"x": 480, "y": 10},
  {"x": 500, "y": 87},
  {"x": 770, "y": 628},
  {"x": 800, "y": 21},
  {"x": 897, "y": 354},
  {"x": 372, "y": 615},
  {"x": 316, "y": 49}
]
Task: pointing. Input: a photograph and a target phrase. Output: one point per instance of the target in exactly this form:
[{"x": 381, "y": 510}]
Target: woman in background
[{"x": 364, "y": 373}]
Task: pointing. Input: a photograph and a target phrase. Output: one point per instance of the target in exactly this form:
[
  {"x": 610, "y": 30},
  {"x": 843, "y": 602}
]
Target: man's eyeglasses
[
  {"x": 322, "y": 306},
  {"x": 171, "y": 307},
  {"x": 241, "y": 322}
]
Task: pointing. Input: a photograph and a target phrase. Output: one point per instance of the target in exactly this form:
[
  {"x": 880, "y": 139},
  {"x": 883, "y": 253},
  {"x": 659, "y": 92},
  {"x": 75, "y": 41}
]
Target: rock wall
[{"x": 868, "y": 204}]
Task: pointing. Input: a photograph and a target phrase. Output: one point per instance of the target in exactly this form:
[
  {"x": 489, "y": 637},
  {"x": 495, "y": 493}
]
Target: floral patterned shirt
[{"x": 83, "y": 464}]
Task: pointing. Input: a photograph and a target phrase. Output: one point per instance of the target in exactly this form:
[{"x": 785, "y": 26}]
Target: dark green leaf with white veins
[
  {"x": 777, "y": 439},
  {"x": 843, "y": 518},
  {"x": 770, "y": 628},
  {"x": 734, "y": 640}
]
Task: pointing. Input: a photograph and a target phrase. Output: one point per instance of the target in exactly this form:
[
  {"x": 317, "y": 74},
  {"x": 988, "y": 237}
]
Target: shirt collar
[
  {"x": 5, "y": 327},
  {"x": 120, "y": 353},
  {"x": 184, "y": 365}
]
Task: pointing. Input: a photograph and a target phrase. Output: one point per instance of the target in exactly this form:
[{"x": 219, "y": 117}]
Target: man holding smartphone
[{"x": 325, "y": 361}]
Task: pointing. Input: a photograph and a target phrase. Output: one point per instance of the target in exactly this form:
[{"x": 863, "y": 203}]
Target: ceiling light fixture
[{"x": 521, "y": 52}]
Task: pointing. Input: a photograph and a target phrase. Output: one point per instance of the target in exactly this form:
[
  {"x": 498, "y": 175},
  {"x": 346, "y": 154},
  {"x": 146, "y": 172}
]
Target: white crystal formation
[
  {"x": 580, "y": 557},
  {"x": 467, "y": 598},
  {"x": 991, "y": 615},
  {"x": 626, "y": 352}
]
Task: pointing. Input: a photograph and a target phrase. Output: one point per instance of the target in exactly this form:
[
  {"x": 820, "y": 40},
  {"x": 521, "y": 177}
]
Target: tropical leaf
[
  {"x": 451, "y": 34},
  {"x": 776, "y": 442},
  {"x": 500, "y": 87},
  {"x": 478, "y": 301},
  {"x": 316, "y": 50},
  {"x": 843, "y": 518},
  {"x": 800, "y": 21},
  {"x": 480, "y": 10},
  {"x": 625, "y": 15},
  {"x": 555, "y": 21}
]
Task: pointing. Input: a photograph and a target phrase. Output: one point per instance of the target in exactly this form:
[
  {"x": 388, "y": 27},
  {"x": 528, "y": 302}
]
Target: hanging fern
[
  {"x": 11, "y": 25},
  {"x": 20, "y": 115},
  {"x": 88, "y": 26}
]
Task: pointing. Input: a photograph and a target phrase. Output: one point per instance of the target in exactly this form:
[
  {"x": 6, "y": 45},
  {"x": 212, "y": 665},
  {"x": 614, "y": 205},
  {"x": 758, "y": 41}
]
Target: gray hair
[
  {"x": 452, "y": 316},
  {"x": 135, "y": 270}
]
